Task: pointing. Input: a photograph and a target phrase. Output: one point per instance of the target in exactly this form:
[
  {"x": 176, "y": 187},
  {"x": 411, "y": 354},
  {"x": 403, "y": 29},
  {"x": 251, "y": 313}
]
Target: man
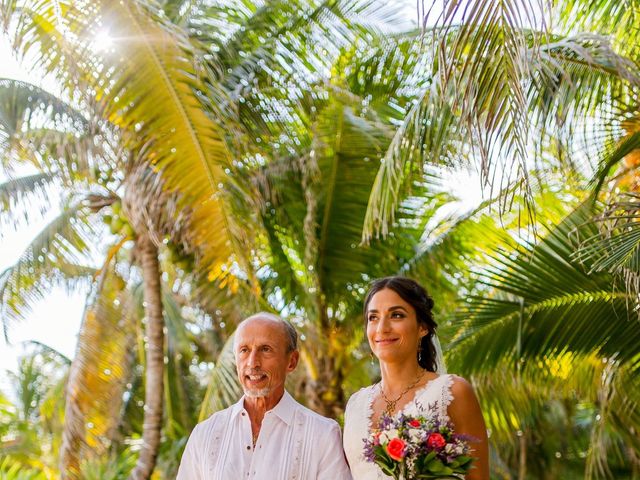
[{"x": 267, "y": 434}]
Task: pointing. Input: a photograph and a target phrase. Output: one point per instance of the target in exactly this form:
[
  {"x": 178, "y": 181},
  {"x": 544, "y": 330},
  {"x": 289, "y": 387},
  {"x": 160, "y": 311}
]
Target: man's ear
[{"x": 293, "y": 361}]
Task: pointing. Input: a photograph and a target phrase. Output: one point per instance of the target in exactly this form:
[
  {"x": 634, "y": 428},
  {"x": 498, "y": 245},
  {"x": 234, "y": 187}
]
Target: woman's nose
[{"x": 384, "y": 324}]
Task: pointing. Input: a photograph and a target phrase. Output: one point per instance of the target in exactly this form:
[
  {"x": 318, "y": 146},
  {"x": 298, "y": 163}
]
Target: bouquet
[{"x": 406, "y": 447}]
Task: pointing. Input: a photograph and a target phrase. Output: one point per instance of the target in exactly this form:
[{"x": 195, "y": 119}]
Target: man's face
[{"x": 262, "y": 359}]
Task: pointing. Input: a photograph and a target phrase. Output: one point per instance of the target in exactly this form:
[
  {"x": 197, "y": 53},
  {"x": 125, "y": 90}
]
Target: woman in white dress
[{"x": 401, "y": 333}]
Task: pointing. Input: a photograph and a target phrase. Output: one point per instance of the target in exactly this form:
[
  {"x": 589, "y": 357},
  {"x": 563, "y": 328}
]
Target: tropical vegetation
[{"x": 203, "y": 160}]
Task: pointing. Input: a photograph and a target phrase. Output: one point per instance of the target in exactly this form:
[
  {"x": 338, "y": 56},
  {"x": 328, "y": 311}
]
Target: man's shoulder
[
  {"x": 218, "y": 418},
  {"x": 314, "y": 417}
]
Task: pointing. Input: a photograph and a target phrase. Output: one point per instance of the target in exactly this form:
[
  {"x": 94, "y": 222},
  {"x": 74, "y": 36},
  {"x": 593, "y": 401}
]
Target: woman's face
[{"x": 392, "y": 328}]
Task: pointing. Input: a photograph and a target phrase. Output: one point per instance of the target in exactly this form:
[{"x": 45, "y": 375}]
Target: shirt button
[
  {"x": 243, "y": 414},
  {"x": 248, "y": 447}
]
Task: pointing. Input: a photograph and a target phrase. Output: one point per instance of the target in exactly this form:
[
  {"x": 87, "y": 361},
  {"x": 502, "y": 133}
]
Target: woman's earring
[
  {"x": 371, "y": 355},
  {"x": 420, "y": 354}
]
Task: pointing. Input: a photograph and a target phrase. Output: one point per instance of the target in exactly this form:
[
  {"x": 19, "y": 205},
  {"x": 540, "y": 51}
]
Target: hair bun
[{"x": 429, "y": 302}]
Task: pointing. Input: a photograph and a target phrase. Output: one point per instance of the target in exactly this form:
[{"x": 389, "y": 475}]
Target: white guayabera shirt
[{"x": 295, "y": 443}]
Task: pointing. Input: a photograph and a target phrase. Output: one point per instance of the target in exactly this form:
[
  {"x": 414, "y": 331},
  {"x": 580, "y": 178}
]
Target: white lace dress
[{"x": 357, "y": 421}]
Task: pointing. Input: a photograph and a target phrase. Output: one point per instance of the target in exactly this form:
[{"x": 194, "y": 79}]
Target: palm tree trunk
[
  {"x": 324, "y": 393},
  {"x": 73, "y": 432},
  {"x": 148, "y": 255},
  {"x": 522, "y": 467}
]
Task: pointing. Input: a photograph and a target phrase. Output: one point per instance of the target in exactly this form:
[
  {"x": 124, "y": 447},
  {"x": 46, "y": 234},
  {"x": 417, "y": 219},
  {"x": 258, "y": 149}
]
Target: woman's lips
[{"x": 385, "y": 341}]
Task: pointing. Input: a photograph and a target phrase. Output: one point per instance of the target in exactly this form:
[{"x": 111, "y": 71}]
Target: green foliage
[
  {"x": 13, "y": 471},
  {"x": 257, "y": 140},
  {"x": 31, "y": 423},
  {"x": 109, "y": 467}
]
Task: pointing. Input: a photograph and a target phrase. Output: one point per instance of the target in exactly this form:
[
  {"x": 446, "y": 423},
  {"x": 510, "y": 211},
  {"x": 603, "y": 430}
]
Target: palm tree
[
  {"x": 494, "y": 77},
  {"x": 558, "y": 329},
  {"x": 272, "y": 59},
  {"x": 151, "y": 127},
  {"x": 31, "y": 424},
  {"x": 171, "y": 131},
  {"x": 314, "y": 187},
  {"x": 503, "y": 87},
  {"x": 56, "y": 254}
]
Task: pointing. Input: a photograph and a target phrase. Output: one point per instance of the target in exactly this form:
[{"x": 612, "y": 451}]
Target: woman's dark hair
[{"x": 415, "y": 295}]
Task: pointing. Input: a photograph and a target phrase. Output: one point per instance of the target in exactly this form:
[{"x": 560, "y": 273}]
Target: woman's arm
[{"x": 466, "y": 416}]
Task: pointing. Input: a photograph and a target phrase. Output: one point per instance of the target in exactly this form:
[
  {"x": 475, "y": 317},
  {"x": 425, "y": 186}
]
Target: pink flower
[
  {"x": 436, "y": 440},
  {"x": 414, "y": 423},
  {"x": 395, "y": 449},
  {"x": 376, "y": 438}
]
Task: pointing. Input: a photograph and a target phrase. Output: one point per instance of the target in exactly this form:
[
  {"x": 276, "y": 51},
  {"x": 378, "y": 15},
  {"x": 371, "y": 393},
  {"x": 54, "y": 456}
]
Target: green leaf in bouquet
[
  {"x": 423, "y": 460},
  {"x": 438, "y": 476},
  {"x": 379, "y": 450},
  {"x": 432, "y": 454},
  {"x": 461, "y": 462},
  {"x": 387, "y": 464},
  {"x": 387, "y": 469},
  {"x": 436, "y": 466}
]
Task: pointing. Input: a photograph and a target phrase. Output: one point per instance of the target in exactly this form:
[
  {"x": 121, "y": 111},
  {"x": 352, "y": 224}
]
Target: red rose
[
  {"x": 414, "y": 423},
  {"x": 436, "y": 440},
  {"x": 395, "y": 449}
]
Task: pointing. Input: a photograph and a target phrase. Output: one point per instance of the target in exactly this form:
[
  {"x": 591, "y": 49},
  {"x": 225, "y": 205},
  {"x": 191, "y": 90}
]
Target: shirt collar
[{"x": 284, "y": 410}]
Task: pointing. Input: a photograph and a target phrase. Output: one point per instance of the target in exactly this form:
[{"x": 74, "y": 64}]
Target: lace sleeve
[
  {"x": 355, "y": 426},
  {"x": 446, "y": 397}
]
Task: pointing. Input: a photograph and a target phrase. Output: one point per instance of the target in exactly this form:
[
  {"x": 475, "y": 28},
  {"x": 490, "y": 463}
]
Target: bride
[{"x": 401, "y": 333}]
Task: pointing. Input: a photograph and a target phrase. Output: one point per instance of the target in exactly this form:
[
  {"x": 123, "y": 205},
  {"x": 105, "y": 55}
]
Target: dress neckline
[{"x": 417, "y": 393}]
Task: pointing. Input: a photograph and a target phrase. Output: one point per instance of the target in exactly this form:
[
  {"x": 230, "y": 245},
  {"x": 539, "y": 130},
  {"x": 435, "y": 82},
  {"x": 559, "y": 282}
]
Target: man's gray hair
[{"x": 289, "y": 330}]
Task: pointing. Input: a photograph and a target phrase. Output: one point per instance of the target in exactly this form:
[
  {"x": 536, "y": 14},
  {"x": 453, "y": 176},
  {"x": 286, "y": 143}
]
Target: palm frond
[
  {"x": 615, "y": 248},
  {"x": 613, "y": 156},
  {"x": 541, "y": 301},
  {"x": 99, "y": 373},
  {"x": 17, "y": 194},
  {"x": 183, "y": 141},
  {"x": 545, "y": 322},
  {"x": 564, "y": 404},
  {"x": 223, "y": 389},
  {"x": 608, "y": 17},
  {"x": 54, "y": 257},
  {"x": 39, "y": 129},
  {"x": 24, "y": 105},
  {"x": 32, "y": 120},
  {"x": 315, "y": 193},
  {"x": 157, "y": 113},
  {"x": 180, "y": 387},
  {"x": 493, "y": 77}
]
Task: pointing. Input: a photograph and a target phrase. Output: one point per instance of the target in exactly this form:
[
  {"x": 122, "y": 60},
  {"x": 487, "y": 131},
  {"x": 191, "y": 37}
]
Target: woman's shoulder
[
  {"x": 459, "y": 386},
  {"x": 361, "y": 396},
  {"x": 461, "y": 391},
  {"x": 443, "y": 389}
]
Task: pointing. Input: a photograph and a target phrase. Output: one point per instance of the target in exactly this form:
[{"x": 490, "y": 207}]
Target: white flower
[
  {"x": 387, "y": 435},
  {"x": 411, "y": 465},
  {"x": 415, "y": 435},
  {"x": 460, "y": 450}
]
